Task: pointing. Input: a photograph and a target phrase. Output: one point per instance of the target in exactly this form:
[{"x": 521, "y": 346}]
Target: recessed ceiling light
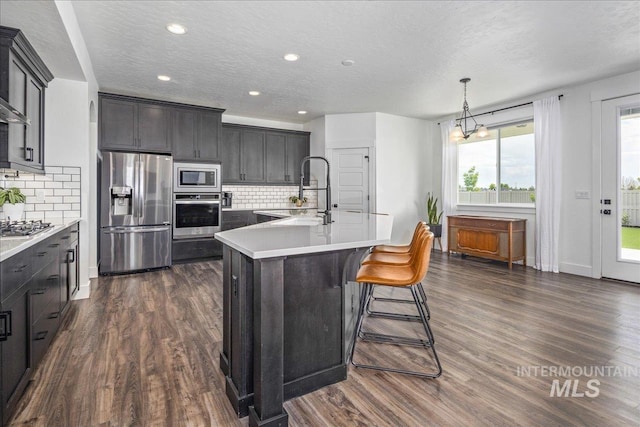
[
  {"x": 291, "y": 57},
  {"x": 302, "y": 112},
  {"x": 164, "y": 78},
  {"x": 176, "y": 29},
  {"x": 348, "y": 62},
  {"x": 254, "y": 93}
]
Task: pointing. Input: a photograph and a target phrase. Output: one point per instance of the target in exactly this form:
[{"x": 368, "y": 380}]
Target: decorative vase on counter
[
  {"x": 13, "y": 212},
  {"x": 299, "y": 203}
]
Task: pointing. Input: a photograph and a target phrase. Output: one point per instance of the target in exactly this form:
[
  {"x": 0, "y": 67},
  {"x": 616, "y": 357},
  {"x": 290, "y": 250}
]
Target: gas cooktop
[{"x": 22, "y": 228}]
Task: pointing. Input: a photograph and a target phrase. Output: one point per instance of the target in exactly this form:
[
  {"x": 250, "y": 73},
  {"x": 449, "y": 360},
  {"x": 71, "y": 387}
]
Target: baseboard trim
[
  {"x": 84, "y": 292},
  {"x": 577, "y": 269},
  {"x": 93, "y": 272}
]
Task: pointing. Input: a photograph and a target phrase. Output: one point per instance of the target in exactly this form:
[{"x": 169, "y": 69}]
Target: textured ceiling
[
  {"x": 41, "y": 23},
  {"x": 409, "y": 56}
]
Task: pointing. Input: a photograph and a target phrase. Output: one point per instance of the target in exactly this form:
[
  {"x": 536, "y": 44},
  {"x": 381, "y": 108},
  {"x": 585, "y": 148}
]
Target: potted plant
[
  {"x": 12, "y": 203},
  {"x": 298, "y": 201},
  {"x": 433, "y": 217}
]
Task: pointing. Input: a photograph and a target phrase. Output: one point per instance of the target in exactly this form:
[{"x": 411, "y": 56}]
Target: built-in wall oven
[{"x": 197, "y": 200}]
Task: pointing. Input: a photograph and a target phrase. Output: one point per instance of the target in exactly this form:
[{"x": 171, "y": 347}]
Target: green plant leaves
[{"x": 11, "y": 195}]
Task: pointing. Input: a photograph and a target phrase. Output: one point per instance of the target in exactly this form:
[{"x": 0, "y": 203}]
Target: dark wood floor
[{"x": 144, "y": 351}]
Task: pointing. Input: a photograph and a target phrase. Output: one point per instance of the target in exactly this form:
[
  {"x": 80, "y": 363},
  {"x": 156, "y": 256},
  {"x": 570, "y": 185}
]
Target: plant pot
[
  {"x": 299, "y": 203},
  {"x": 436, "y": 229},
  {"x": 13, "y": 212}
]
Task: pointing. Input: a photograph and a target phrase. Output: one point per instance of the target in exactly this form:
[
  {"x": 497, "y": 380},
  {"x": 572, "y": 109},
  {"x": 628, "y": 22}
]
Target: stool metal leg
[
  {"x": 398, "y": 316},
  {"x": 397, "y": 340}
]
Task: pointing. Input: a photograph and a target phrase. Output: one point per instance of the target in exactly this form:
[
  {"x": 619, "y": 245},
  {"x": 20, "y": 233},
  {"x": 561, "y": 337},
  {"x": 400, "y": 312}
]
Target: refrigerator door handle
[
  {"x": 141, "y": 185},
  {"x": 136, "y": 230}
]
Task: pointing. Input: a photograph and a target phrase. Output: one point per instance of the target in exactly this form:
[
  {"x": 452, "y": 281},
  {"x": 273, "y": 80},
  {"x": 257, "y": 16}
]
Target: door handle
[
  {"x": 71, "y": 252},
  {"x": 335, "y": 206},
  {"x": 5, "y": 318},
  {"x": 41, "y": 335},
  {"x": 29, "y": 151}
]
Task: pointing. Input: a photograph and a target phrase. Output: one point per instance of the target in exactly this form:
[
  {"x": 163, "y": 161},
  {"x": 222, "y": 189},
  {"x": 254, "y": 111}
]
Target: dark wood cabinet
[
  {"x": 68, "y": 266},
  {"x": 196, "y": 134},
  {"x": 15, "y": 329},
  {"x": 23, "y": 79},
  {"x": 130, "y": 125},
  {"x": 34, "y": 290},
  {"x": 237, "y": 218},
  {"x": 284, "y": 155},
  {"x": 231, "y": 170},
  {"x": 256, "y": 155},
  {"x": 189, "y": 250}
]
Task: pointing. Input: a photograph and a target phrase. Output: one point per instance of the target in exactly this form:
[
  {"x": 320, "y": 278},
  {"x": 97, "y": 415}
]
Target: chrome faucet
[{"x": 327, "y": 212}]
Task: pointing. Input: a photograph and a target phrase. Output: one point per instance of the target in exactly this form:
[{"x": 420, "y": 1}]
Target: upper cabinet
[
  {"x": 243, "y": 153},
  {"x": 130, "y": 125},
  {"x": 23, "y": 79},
  {"x": 196, "y": 134},
  {"x": 136, "y": 124},
  {"x": 256, "y": 155}
]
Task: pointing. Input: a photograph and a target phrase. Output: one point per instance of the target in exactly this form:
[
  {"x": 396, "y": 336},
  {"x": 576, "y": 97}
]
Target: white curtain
[
  {"x": 449, "y": 177},
  {"x": 546, "y": 122}
]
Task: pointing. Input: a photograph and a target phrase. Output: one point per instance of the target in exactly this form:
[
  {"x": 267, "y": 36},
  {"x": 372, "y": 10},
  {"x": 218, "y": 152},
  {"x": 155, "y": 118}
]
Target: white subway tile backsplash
[
  {"x": 60, "y": 187},
  {"x": 53, "y": 169},
  {"x": 272, "y": 197}
]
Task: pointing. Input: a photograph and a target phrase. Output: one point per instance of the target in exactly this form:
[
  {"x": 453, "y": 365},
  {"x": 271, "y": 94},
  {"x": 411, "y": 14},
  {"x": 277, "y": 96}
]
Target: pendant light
[{"x": 466, "y": 125}]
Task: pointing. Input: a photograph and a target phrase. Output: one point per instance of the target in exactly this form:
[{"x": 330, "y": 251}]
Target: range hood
[{"x": 8, "y": 114}]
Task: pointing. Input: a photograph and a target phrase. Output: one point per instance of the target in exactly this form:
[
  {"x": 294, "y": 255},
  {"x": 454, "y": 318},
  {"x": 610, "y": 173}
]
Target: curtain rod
[{"x": 508, "y": 108}]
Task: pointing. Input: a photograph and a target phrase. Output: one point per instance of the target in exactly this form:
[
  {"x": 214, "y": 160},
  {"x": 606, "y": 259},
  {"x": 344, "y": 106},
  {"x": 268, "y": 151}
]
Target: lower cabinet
[
  {"x": 16, "y": 338},
  {"x": 36, "y": 287},
  {"x": 187, "y": 250},
  {"x": 237, "y": 219}
]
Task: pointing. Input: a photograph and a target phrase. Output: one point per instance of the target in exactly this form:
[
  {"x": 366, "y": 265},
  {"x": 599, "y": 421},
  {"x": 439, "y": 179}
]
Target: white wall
[
  {"x": 66, "y": 144},
  {"x": 580, "y": 224},
  {"x": 403, "y": 175},
  {"x": 88, "y": 141}
]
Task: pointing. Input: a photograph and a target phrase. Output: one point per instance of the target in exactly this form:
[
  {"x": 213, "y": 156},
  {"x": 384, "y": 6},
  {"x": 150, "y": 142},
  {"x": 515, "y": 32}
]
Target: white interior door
[
  {"x": 620, "y": 201},
  {"x": 350, "y": 179}
]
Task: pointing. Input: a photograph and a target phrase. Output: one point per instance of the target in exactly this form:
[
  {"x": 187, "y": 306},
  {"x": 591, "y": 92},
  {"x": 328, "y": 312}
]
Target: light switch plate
[
  {"x": 582, "y": 194},
  {"x": 40, "y": 195}
]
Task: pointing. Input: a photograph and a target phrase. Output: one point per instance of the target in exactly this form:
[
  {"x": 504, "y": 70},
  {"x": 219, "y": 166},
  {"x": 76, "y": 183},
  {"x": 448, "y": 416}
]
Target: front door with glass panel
[{"x": 620, "y": 201}]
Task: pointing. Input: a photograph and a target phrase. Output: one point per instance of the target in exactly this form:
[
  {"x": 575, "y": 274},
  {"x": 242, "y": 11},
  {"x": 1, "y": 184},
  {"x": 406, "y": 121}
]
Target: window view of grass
[{"x": 631, "y": 237}]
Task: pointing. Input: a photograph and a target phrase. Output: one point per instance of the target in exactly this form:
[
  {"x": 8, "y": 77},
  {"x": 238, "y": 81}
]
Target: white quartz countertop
[
  {"x": 301, "y": 232},
  {"x": 10, "y": 246}
]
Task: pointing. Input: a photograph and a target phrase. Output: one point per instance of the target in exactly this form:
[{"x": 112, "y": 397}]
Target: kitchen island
[{"x": 289, "y": 309}]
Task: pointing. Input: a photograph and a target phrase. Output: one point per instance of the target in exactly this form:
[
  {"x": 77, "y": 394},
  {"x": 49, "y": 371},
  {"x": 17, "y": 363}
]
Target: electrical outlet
[
  {"x": 40, "y": 195},
  {"x": 582, "y": 195}
]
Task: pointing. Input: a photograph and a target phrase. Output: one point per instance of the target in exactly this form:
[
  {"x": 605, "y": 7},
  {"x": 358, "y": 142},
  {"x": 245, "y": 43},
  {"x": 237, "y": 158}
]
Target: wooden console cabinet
[{"x": 502, "y": 239}]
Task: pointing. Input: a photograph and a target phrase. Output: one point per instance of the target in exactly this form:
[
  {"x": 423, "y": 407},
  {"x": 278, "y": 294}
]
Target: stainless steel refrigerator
[{"x": 135, "y": 213}]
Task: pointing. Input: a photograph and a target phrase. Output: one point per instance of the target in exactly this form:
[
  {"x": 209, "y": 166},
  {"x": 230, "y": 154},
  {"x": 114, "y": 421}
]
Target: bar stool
[
  {"x": 394, "y": 255},
  {"x": 406, "y": 276}
]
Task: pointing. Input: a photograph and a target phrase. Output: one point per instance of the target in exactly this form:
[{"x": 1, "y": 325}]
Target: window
[{"x": 500, "y": 168}]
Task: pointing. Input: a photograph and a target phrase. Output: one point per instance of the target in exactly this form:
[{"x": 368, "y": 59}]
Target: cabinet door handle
[
  {"x": 41, "y": 335},
  {"x": 71, "y": 252},
  {"x": 5, "y": 318},
  {"x": 53, "y": 277},
  {"x": 74, "y": 231},
  {"x": 54, "y": 245},
  {"x": 54, "y": 315},
  {"x": 198, "y": 153},
  {"x": 29, "y": 151},
  {"x": 39, "y": 291},
  {"x": 20, "y": 269},
  {"x": 194, "y": 154},
  {"x": 234, "y": 285},
  {"x": 41, "y": 254},
  {"x": 65, "y": 237}
]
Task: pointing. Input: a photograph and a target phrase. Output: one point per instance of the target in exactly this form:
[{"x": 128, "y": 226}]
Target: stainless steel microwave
[{"x": 197, "y": 178}]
